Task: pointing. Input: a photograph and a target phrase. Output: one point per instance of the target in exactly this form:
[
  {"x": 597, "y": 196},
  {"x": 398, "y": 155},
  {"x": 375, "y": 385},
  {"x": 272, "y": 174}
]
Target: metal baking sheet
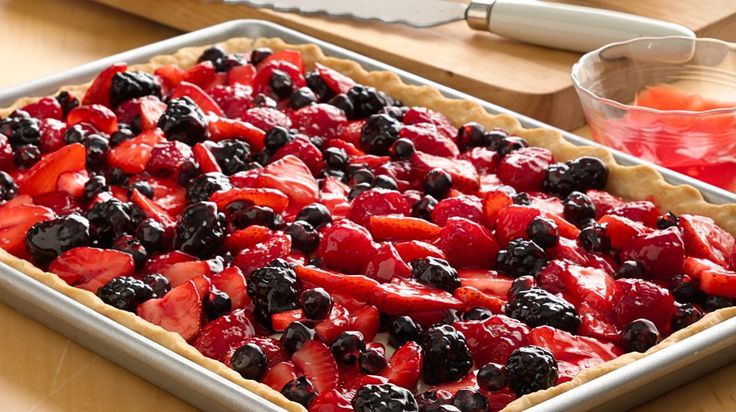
[{"x": 618, "y": 390}]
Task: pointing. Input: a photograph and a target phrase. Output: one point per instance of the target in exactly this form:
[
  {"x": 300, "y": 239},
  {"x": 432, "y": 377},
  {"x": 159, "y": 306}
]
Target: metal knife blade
[{"x": 416, "y": 13}]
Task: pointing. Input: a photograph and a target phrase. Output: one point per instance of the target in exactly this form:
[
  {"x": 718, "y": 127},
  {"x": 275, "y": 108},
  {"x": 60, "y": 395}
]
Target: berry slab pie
[{"x": 334, "y": 240}]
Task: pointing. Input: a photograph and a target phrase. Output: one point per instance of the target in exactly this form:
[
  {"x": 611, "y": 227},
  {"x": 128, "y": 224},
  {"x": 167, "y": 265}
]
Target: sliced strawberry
[
  {"x": 318, "y": 365},
  {"x": 241, "y": 75},
  {"x": 337, "y": 82},
  {"x": 493, "y": 339},
  {"x": 484, "y": 160},
  {"x": 603, "y": 202},
  {"x": 329, "y": 329},
  {"x": 622, "y": 230},
  {"x": 423, "y": 115},
  {"x": 358, "y": 286},
  {"x": 246, "y": 238},
  {"x": 415, "y": 249},
  {"x": 292, "y": 177},
  {"x": 132, "y": 155},
  {"x": 91, "y": 268},
  {"x": 99, "y": 116},
  {"x": 405, "y": 366},
  {"x": 366, "y": 320},
  {"x": 280, "y": 321},
  {"x": 222, "y": 128},
  {"x": 168, "y": 194},
  {"x": 493, "y": 202},
  {"x": 99, "y": 91},
  {"x": 524, "y": 169},
  {"x": 352, "y": 131},
  {"x": 598, "y": 324},
  {"x": 170, "y": 75},
  {"x": 464, "y": 176},
  {"x": 468, "y": 382},
  {"x": 403, "y": 295},
  {"x": 402, "y": 228},
  {"x": 638, "y": 298},
  {"x": 44, "y": 108},
  {"x": 305, "y": 150},
  {"x": 266, "y": 118},
  {"x": 232, "y": 282},
  {"x": 42, "y": 177},
  {"x": 487, "y": 281},
  {"x": 151, "y": 209},
  {"x": 219, "y": 338},
  {"x": 512, "y": 222},
  {"x": 334, "y": 196},
  {"x": 182, "y": 272},
  {"x": 272, "y": 198},
  {"x": 292, "y": 57},
  {"x": 279, "y": 375},
  {"x": 72, "y": 183},
  {"x": 322, "y": 119},
  {"x": 156, "y": 263},
  {"x": 252, "y": 258},
  {"x": 474, "y": 298},
  {"x": 714, "y": 279},
  {"x": 661, "y": 252},
  {"x": 205, "y": 159},
  {"x": 377, "y": 202},
  {"x": 331, "y": 401},
  {"x": 704, "y": 239},
  {"x": 467, "y": 244},
  {"x": 15, "y": 220},
  {"x": 580, "y": 351},
  {"x": 428, "y": 139},
  {"x": 386, "y": 263},
  {"x": 168, "y": 157},
  {"x": 202, "y": 74},
  {"x": 468, "y": 207},
  {"x": 337, "y": 257},
  {"x": 60, "y": 202},
  {"x": 178, "y": 311},
  {"x": 199, "y": 96},
  {"x": 590, "y": 285},
  {"x": 644, "y": 212}
]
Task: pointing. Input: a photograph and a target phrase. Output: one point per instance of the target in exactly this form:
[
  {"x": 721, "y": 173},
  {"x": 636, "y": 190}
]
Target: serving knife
[{"x": 555, "y": 25}]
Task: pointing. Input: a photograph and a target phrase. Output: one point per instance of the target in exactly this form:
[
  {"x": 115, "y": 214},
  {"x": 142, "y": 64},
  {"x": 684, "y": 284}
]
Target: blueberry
[
  {"x": 302, "y": 97},
  {"x": 668, "y": 219},
  {"x": 276, "y": 138},
  {"x": 216, "y": 303},
  {"x": 335, "y": 158},
  {"x": 200, "y": 230},
  {"x": 299, "y": 390},
  {"x": 94, "y": 186},
  {"x": 477, "y": 313},
  {"x": 320, "y": 90},
  {"x": 67, "y": 101},
  {"x": 8, "y": 187},
  {"x": 437, "y": 183},
  {"x": 468, "y": 400},
  {"x": 151, "y": 234},
  {"x": 366, "y": 101},
  {"x": 424, "y": 207},
  {"x": 316, "y": 304},
  {"x": 361, "y": 176},
  {"x": 510, "y": 144},
  {"x": 402, "y": 149},
  {"x": 525, "y": 282},
  {"x": 242, "y": 215},
  {"x": 249, "y": 361},
  {"x": 686, "y": 315},
  {"x": 213, "y": 54},
  {"x": 686, "y": 289},
  {"x": 385, "y": 182},
  {"x": 21, "y": 129},
  {"x": 470, "y": 135},
  {"x": 578, "y": 209},
  {"x": 281, "y": 83},
  {"x": 595, "y": 239},
  {"x": 260, "y": 54},
  {"x": 359, "y": 188},
  {"x": 316, "y": 214},
  {"x": 403, "y": 329},
  {"x": 372, "y": 362},
  {"x": 158, "y": 283},
  {"x": 640, "y": 335},
  {"x": 133, "y": 247},
  {"x": 347, "y": 347},
  {"x": 295, "y": 335},
  {"x": 27, "y": 155},
  {"x": 492, "y": 377},
  {"x": 630, "y": 269},
  {"x": 543, "y": 232},
  {"x": 124, "y": 132},
  {"x": 343, "y": 102}
]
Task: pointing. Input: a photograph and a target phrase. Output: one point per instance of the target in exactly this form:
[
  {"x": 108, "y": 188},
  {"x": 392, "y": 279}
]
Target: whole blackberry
[
  {"x": 403, "y": 329},
  {"x": 21, "y": 129},
  {"x": 537, "y": 307},
  {"x": 640, "y": 335},
  {"x": 423, "y": 208},
  {"x": 630, "y": 269},
  {"x": 343, "y": 102},
  {"x": 159, "y": 284},
  {"x": 303, "y": 236},
  {"x": 125, "y": 293},
  {"x": 446, "y": 355},
  {"x": 203, "y": 186},
  {"x": 347, "y": 347},
  {"x": 521, "y": 257},
  {"x": 317, "y": 85},
  {"x": 436, "y": 273},
  {"x": 277, "y": 137},
  {"x": 543, "y": 232},
  {"x": 183, "y": 120},
  {"x": 316, "y": 214},
  {"x": 281, "y": 83},
  {"x": 294, "y": 336},
  {"x": 470, "y": 135},
  {"x": 366, "y": 101},
  {"x": 385, "y": 397},
  {"x": 67, "y": 101},
  {"x": 477, "y": 313},
  {"x": 685, "y": 315},
  {"x": 469, "y": 400},
  {"x": 232, "y": 155},
  {"x": 372, "y": 362},
  {"x": 216, "y": 303},
  {"x": 94, "y": 186},
  {"x": 668, "y": 219},
  {"x": 437, "y": 183},
  {"x": 131, "y": 84},
  {"x": 316, "y": 304},
  {"x": 48, "y": 239},
  {"x": 385, "y": 182},
  {"x": 133, "y": 247},
  {"x": 200, "y": 230},
  {"x": 579, "y": 209},
  {"x": 686, "y": 289},
  {"x": 249, "y": 361},
  {"x": 27, "y": 155},
  {"x": 273, "y": 289},
  {"x": 109, "y": 220},
  {"x": 302, "y": 97},
  {"x": 530, "y": 369},
  {"x": 379, "y": 133},
  {"x": 492, "y": 377},
  {"x": 595, "y": 239},
  {"x": 152, "y": 235},
  {"x": 299, "y": 390},
  {"x": 8, "y": 188}
]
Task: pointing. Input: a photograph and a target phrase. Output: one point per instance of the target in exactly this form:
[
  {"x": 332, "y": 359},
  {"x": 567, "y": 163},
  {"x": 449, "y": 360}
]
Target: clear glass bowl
[{"x": 666, "y": 74}]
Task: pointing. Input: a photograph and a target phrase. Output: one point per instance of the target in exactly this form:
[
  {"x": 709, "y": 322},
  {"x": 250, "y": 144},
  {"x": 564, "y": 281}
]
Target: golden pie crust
[{"x": 629, "y": 182}]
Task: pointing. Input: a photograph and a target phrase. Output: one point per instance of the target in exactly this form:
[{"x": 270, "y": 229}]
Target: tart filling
[{"x": 348, "y": 241}]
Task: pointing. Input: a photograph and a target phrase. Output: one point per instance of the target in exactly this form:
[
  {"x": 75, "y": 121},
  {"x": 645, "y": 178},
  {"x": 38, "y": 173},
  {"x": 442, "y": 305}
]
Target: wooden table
[{"x": 41, "y": 370}]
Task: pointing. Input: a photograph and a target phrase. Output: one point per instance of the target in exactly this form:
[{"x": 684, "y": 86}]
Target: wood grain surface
[
  {"x": 40, "y": 370},
  {"x": 527, "y": 79}
]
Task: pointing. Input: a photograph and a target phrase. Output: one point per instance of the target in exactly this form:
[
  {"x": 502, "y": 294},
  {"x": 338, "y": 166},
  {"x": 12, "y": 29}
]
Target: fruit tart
[{"x": 333, "y": 239}]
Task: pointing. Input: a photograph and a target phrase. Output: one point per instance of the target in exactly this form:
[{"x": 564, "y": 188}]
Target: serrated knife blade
[{"x": 555, "y": 25}]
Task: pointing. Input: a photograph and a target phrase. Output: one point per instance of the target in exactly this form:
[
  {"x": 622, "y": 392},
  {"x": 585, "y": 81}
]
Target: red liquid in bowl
[{"x": 701, "y": 146}]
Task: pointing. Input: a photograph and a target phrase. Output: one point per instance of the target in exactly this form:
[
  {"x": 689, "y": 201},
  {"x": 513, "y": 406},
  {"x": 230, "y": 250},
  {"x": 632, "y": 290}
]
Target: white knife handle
[{"x": 562, "y": 26}]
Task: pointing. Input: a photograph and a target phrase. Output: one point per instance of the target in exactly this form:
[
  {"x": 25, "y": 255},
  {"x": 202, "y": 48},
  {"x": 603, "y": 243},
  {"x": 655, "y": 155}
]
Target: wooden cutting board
[{"x": 524, "y": 78}]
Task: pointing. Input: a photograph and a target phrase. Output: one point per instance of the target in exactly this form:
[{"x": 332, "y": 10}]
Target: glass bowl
[{"x": 668, "y": 100}]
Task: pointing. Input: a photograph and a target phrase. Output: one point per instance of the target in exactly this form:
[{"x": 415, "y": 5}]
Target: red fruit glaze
[
  {"x": 524, "y": 169},
  {"x": 467, "y": 244},
  {"x": 493, "y": 339},
  {"x": 337, "y": 257},
  {"x": 219, "y": 338}
]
